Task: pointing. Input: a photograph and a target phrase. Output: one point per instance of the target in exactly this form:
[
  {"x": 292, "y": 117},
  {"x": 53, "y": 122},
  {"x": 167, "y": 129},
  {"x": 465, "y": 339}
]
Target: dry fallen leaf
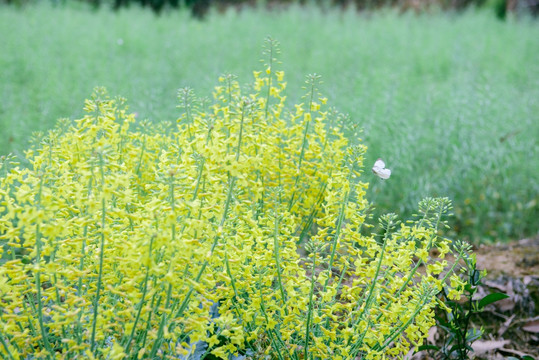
[
  {"x": 507, "y": 323},
  {"x": 496, "y": 285},
  {"x": 480, "y": 347},
  {"x": 531, "y": 326},
  {"x": 431, "y": 338},
  {"x": 513, "y": 352}
]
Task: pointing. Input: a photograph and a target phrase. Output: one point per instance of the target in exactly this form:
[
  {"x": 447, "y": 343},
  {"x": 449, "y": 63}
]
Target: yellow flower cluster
[{"x": 240, "y": 228}]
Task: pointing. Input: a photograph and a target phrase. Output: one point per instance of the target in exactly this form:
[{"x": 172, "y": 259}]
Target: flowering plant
[{"x": 238, "y": 231}]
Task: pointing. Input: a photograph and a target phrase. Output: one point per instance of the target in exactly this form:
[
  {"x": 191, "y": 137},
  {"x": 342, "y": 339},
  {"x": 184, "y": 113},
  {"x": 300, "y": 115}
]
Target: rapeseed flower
[{"x": 242, "y": 229}]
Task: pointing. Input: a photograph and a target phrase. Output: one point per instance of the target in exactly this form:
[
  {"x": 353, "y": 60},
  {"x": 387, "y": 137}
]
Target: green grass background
[{"x": 434, "y": 94}]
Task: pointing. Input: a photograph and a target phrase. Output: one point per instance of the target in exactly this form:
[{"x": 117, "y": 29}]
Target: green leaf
[
  {"x": 441, "y": 321},
  {"x": 427, "y": 347},
  {"x": 473, "y": 335},
  {"x": 476, "y": 277},
  {"x": 527, "y": 357},
  {"x": 491, "y": 298}
]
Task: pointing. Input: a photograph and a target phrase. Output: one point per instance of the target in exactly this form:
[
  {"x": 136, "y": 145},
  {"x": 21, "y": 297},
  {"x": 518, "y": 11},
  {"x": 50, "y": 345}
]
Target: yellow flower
[
  {"x": 207, "y": 232},
  {"x": 117, "y": 352}
]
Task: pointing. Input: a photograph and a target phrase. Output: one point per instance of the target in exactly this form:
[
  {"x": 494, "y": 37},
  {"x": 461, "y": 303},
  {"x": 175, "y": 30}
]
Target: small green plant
[
  {"x": 238, "y": 231},
  {"x": 455, "y": 322}
]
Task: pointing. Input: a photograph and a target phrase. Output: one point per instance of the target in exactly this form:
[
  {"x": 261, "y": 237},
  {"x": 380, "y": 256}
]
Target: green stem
[
  {"x": 335, "y": 295},
  {"x": 303, "y": 146},
  {"x": 79, "y": 289},
  {"x": 101, "y": 255},
  {"x": 241, "y": 132},
  {"x": 356, "y": 348},
  {"x": 396, "y": 333},
  {"x": 195, "y": 193},
  {"x": 187, "y": 106},
  {"x": 278, "y": 262},
  {"x": 145, "y": 288},
  {"x": 157, "y": 343},
  {"x": 263, "y": 308},
  {"x": 38, "y": 277},
  {"x": 149, "y": 320},
  {"x": 3, "y": 342},
  {"x": 229, "y": 105},
  {"x": 310, "y": 309},
  {"x": 236, "y": 296},
  {"x": 314, "y": 211},
  {"x": 335, "y": 239},
  {"x": 420, "y": 262},
  {"x": 185, "y": 302},
  {"x": 375, "y": 278},
  {"x": 173, "y": 208},
  {"x": 139, "y": 165},
  {"x": 270, "y": 65}
]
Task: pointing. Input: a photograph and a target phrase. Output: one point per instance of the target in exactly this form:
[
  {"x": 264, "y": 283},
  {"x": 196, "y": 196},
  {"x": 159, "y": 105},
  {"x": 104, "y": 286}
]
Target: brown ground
[
  {"x": 511, "y": 325},
  {"x": 518, "y": 259},
  {"x": 513, "y": 269}
]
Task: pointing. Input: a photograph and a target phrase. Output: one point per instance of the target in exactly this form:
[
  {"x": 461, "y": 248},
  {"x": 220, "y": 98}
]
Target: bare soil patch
[{"x": 511, "y": 326}]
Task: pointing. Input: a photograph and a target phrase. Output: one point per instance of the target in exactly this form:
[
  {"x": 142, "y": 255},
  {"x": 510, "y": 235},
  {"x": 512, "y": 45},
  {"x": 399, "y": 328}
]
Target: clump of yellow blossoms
[{"x": 239, "y": 230}]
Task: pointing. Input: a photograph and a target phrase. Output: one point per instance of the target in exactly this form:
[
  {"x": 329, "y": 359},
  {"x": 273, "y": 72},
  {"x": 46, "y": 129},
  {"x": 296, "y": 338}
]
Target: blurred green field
[{"x": 450, "y": 102}]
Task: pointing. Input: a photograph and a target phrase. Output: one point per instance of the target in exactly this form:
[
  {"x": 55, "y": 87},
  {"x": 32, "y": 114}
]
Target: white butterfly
[{"x": 380, "y": 170}]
